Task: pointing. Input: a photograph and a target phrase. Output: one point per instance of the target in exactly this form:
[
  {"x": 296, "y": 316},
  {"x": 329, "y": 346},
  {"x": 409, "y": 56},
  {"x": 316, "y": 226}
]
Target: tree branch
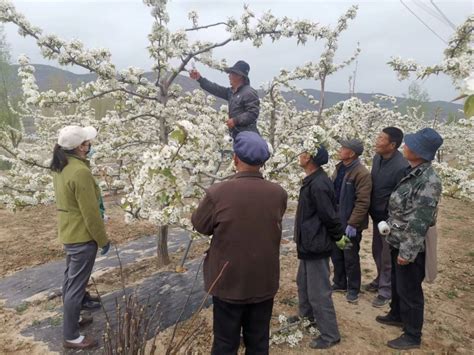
[
  {"x": 190, "y": 56},
  {"x": 206, "y": 26},
  {"x": 26, "y": 161},
  {"x": 277, "y": 170},
  {"x": 216, "y": 177}
]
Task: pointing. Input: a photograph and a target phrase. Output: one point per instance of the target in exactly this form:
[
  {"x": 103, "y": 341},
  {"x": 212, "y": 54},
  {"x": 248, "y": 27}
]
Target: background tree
[
  {"x": 9, "y": 91},
  {"x": 143, "y": 142}
]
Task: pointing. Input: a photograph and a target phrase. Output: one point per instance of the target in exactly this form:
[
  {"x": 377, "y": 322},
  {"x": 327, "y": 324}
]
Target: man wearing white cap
[{"x": 80, "y": 225}]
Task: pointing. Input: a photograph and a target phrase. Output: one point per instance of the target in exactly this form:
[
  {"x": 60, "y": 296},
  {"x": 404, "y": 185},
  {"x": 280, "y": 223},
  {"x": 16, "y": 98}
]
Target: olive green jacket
[{"x": 77, "y": 196}]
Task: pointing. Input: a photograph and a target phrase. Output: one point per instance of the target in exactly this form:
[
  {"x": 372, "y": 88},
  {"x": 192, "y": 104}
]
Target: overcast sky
[{"x": 384, "y": 28}]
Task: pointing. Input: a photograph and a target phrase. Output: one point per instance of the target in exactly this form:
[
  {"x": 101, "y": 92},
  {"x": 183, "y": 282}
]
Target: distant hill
[{"x": 49, "y": 77}]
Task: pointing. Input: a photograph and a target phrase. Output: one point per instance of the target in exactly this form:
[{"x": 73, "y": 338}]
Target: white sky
[{"x": 384, "y": 28}]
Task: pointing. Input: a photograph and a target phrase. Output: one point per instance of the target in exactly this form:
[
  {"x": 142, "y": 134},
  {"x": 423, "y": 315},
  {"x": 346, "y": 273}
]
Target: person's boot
[
  {"x": 390, "y": 319},
  {"x": 404, "y": 342}
]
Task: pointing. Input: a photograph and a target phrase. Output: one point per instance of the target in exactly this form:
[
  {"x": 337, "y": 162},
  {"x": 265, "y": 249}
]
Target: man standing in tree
[
  {"x": 244, "y": 104},
  {"x": 244, "y": 216}
]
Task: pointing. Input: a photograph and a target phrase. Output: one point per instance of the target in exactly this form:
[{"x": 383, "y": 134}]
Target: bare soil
[
  {"x": 28, "y": 238},
  {"x": 449, "y": 302}
]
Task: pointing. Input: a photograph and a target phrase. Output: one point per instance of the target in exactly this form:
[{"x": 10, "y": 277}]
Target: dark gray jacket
[
  {"x": 386, "y": 174},
  {"x": 244, "y": 104},
  {"x": 317, "y": 224}
]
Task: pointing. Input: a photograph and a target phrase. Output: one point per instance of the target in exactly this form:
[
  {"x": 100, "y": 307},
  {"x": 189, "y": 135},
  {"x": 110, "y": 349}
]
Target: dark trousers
[
  {"x": 347, "y": 266},
  {"x": 80, "y": 260},
  {"x": 253, "y": 319},
  {"x": 315, "y": 297},
  {"x": 382, "y": 258},
  {"x": 407, "y": 294}
]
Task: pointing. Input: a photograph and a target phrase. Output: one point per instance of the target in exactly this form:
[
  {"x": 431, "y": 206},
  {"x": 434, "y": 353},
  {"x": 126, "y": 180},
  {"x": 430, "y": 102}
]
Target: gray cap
[{"x": 353, "y": 144}]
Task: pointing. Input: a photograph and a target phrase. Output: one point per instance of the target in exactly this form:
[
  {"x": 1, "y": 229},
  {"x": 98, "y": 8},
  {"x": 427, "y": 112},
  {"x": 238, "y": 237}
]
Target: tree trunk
[
  {"x": 321, "y": 99},
  {"x": 272, "y": 118},
  {"x": 162, "y": 246}
]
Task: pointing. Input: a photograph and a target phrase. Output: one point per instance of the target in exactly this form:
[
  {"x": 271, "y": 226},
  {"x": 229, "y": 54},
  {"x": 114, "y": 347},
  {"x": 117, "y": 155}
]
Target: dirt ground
[
  {"x": 29, "y": 236},
  {"x": 449, "y": 301}
]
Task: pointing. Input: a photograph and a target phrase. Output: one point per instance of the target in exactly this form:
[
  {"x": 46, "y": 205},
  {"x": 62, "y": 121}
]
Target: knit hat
[
  {"x": 321, "y": 157},
  {"x": 424, "y": 143}
]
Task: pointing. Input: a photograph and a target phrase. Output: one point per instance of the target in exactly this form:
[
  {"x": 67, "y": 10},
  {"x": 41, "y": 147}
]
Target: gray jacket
[
  {"x": 386, "y": 174},
  {"x": 244, "y": 104}
]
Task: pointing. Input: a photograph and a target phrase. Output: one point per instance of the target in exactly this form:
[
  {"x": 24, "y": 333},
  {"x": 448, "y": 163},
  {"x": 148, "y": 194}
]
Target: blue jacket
[
  {"x": 244, "y": 104},
  {"x": 354, "y": 199}
]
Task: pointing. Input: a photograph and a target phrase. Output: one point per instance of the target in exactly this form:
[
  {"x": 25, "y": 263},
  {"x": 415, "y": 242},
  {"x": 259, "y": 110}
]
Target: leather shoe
[
  {"x": 389, "y": 320},
  {"x": 336, "y": 288},
  {"x": 90, "y": 305},
  {"x": 89, "y": 297},
  {"x": 371, "y": 287},
  {"x": 86, "y": 343},
  {"x": 404, "y": 342}
]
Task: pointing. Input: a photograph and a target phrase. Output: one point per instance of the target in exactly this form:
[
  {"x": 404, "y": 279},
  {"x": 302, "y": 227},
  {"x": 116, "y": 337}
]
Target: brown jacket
[
  {"x": 244, "y": 216},
  {"x": 354, "y": 201}
]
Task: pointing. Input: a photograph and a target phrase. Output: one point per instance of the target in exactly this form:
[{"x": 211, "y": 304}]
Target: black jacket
[
  {"x": 386, "y": 174},
  {"x": 317, "y": 223},
  {"x": 244, "y": 104}
]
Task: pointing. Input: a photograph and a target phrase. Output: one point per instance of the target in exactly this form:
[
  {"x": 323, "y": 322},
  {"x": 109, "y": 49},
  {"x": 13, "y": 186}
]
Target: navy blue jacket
[
  {"x": 317, "y": 224},
  {"x": 354, "y": 200},
  {"x": 244, "y": 104}
]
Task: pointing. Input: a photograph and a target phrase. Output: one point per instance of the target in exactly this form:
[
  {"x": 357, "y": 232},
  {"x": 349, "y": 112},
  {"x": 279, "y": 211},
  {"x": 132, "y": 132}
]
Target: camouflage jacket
[{"x": 412, "y": 210}]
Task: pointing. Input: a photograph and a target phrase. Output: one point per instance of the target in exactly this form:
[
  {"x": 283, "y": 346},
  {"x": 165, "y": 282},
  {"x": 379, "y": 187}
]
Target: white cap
[{"x": 71, "y": 137}]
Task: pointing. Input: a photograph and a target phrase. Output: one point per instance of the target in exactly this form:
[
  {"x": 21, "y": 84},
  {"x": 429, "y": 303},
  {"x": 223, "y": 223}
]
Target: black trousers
[
  {"x": 253, "y": 319},
  {"x": 407, "y": 294},
  {"x": 346, "y": 263}
]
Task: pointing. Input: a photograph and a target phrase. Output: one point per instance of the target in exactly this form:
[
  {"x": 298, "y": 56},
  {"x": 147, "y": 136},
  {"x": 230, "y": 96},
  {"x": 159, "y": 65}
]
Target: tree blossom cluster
[
  {"x": 162, "y": 147},
  {"x": 458, "y": 61},
  {"x": 292, "y": 334}
]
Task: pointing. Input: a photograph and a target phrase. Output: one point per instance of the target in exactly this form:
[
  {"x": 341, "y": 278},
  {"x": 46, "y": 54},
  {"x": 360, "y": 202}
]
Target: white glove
[{"x": 384, "y": 228}]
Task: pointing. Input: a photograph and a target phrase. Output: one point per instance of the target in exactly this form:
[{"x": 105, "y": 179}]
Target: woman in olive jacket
[{"x": 80, "y": 225}]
